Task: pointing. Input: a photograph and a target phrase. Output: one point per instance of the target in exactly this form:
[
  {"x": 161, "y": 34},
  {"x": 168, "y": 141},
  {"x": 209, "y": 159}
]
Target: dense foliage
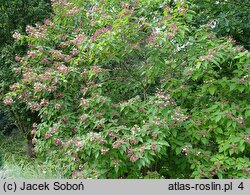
[
  {"x": 15, "y": 15},
  {"x": 228, "y": 18},
  {"x": 133, "y": 89}
]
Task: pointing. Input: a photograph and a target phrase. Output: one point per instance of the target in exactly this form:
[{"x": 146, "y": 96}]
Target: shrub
[{"x": 120, "y": 90}]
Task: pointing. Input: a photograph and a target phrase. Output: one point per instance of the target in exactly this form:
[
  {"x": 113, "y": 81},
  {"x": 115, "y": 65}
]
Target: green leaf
[
  {"x": 212, "y": 89},
  {"x": 247, "y": 113},
  {"x": 178, "y": 150},
  {"x": 232, "y": 86},
  {"x": 218, "y": 118}
]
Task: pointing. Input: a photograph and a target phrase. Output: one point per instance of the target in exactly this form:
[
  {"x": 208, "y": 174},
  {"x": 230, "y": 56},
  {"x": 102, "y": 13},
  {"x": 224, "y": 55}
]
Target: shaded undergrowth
[{"x": 16, "y": 164}]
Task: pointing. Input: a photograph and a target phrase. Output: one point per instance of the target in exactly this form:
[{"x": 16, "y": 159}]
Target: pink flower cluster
[
  {"x": 74, "y": 52},
  {"x": 44, "y": 60},
  {"x": 72, "y": 11},
  {"x": 37, "y": 32},
  {"x": 38, "y": 87},
  {"x": 78, "y": 41},
  {"x": 58, "y": 106},
  {"x": 57, "y": 141},
  {"x": 17, "y": 36},
  {"x": 84, "y": 117},
  {"x": 164, "y": 99},
  {"x": 46, "y": 76},
  {"x": 8, "y": 100},
  {"x": 47, "y": 22},
  {"x": 179, "y": 116},
  {"x": 47, "y": 135},
  {"x": 100, "y": 32},
  {"x": 78, "y": 143},
  {"x": 104, "y": 150},
  {"x": 84, "y": 102},
  {"x": 17, "y": 58},
  {"x": 31, "y": 54},
  {"x": 57, "y": 54},
  {"x": 34, "y": 106},
  {"x": 63, "y": 69}
]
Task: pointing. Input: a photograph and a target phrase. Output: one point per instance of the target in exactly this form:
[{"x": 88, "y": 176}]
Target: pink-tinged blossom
[
  {"x": 84, "y": 117},
  {"x": 47, "y": 22},
  {"x": 104, "y": 150},
  {"x": 79, "y": 40},
  {"x": 17, "y": 36},
  {"x": 55, "y": 129},
  {"x": 166, "y": 7},
  {"x": 153, "y": 147},
  {"x": 57, "y": 106},
  {"x": 8, "y": 100},
  {"x": 51, "y": 88},
  {"x": 169, "y": 36},
  {"x": 17, "y": 58},
  {"x": 75, "y": 174},
  {"x": 67, "y": 144},
  {"x": 75, "y": 157},
  {"x": 111, "y": 134},
  {"x": 47, "y": 135},
  {"x": 14, "y": 87},
  {"x": 117, "y": 144},
  {"x": 34, "y": 125},
  {"x": 45, "y": 77},
  {"x": 182, "y": 10},
  {"x": 33, "y": 132},
  {"x": 44, "y": 102},
  {"x": 141, "y": 149},
  {"x": 38, "y": 87},
  {"x": 28, "y": 76},
  {"x": 19, "y": 97},
  {"x": 173, "y": 27},
  {"x": 34, "y": 106},
  {"x": 34, "y": 141},
  {"x": 67, "y": 58},
  {"x": 37, "y": 32},
  {"x": 133, "y": 158},
  {"x": 125, "y": 5},
  {"x": 29, "y": 29},
  {"x": 57, "y": 141},
  {"x": 59, "y": 95},
  {"x": 17, "y": 70},
  {"x": 100, "y": 32},
  {"x": 63, "y": 69},
  {"x": 129, "y": 151},
  {"x": 72, "y": 11},
  {"x": 57, "y": 54},
  {"x": 31, "y": 54},
  {"x": 133, "y": 141},
  {"x": 97, "y": 70},
  {"x": 78, "y": 143},
  {"x": 45, "y": 61},
  {"x": 151, "y": 38},
  {"x": 84, "y": 90},
  {"x": 84, "y": 102},
  {"x": 74, "y": 52},
  {"x": 133, "y": 130}
]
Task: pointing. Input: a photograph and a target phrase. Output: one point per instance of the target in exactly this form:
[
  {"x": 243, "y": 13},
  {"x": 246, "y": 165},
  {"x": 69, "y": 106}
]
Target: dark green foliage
[
  {"x": 16, "y": 14},
  {"x": 229, "y": 17}
]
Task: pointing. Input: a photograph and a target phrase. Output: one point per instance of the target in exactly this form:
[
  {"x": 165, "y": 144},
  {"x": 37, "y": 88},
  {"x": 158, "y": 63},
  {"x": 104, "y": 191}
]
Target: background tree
[
  {"x": 228, "y": 18},
  {"x": 15, "y": 16}
]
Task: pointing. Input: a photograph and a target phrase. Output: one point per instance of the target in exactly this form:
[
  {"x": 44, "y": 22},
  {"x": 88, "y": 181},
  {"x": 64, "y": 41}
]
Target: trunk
[{"x": 29, "y": 146}]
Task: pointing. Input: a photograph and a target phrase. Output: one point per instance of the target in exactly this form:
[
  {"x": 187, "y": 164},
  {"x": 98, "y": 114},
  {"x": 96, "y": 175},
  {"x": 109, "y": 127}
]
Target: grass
[{"x": 18, "y": 165}]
